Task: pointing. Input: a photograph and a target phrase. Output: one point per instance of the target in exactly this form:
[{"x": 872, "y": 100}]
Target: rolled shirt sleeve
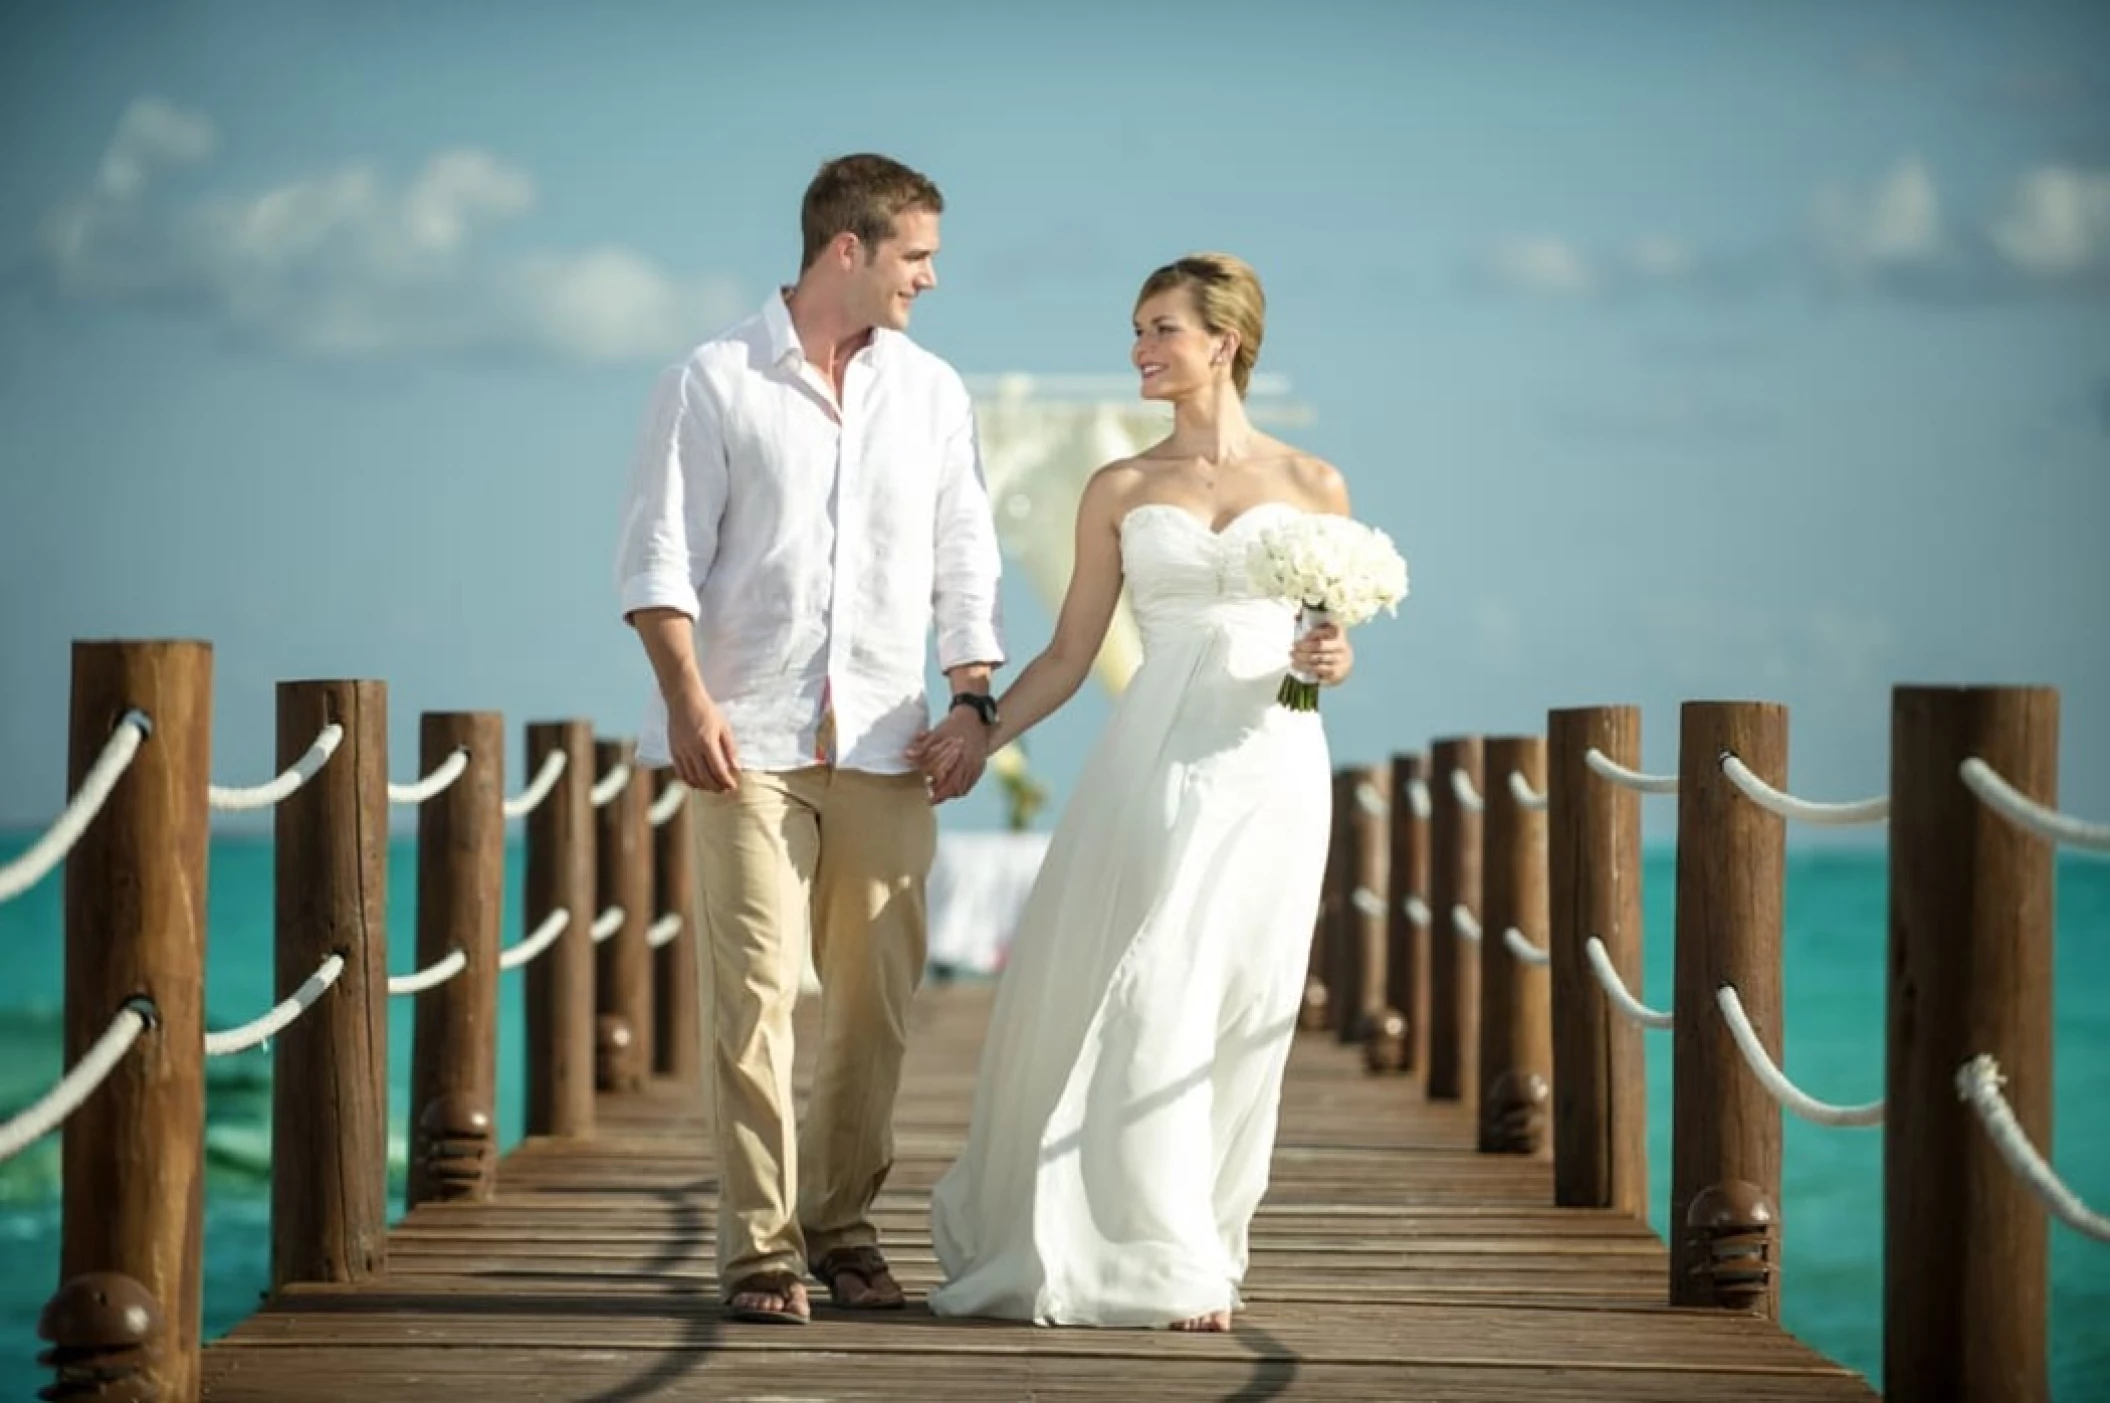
[
  {"x": 675, "y": 501},
  {"x": 965, "y": 596}
]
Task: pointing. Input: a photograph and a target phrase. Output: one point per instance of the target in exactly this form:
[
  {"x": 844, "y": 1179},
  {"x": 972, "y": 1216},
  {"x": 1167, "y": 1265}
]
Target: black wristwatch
[{"x": 983, "y": 704}]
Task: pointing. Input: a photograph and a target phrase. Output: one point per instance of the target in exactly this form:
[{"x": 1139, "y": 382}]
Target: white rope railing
[
  {"x": 430, "y": 977},
  {"x": 1605, "y": 767},
  {"x": 1468, "y": 797},
  {"x": 1615, "y": 990},
  {"x": 1418, "y": 798},
  {"x": 1789, "y": 806},
  {"x": 607, "y": 924},
  {"x": 1523, "y": 949},
  {"x": 26, "y": 870},
  {"x": 443, "y": 774},
  {"x": 663, "y": 930},
  {"x": 530, "y": 798},
  {"x": 280, "y": 1016},
  {"x": 1527, "y": 797},
  {"x": 611, "y": 784},
  {"x": 230, "y": 798},
  {"x": 66, "y": 1096},
  {"x": 668, "y": 804},
  {"x": 1366, "y": 901},
  {"x": 1978, "y": 1083},
  {"x": 2027, "y": 814},
  {"x": 1465, "y": 923},
  {"x": 1417, "y": 911},
  {"x": 1776, "y": 1081},
  {"x": 538, "y": 940}
]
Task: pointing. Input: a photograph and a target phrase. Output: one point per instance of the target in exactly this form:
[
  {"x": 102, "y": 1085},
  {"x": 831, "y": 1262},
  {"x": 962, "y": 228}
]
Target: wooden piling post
[
  {"x": 1971, "y": 899},
  {"x": 1373, "y": 859},
  {"x": 677, "y": 1010},
  {"x": 1362, "y": 796},
  {"x": 1725, "y": 1126},
  {"x": 1600, "y": 1072},
  {"x": 623, "y": 962},
  {"x": 559, "y": 984},
  {"x": 1516, "y": 1020},
  {"x": 454, "y": 1035},
  {"x": 1322, "y": 978},
  {"x": 329, "y": 1068},
  {"x": 1315, "y": 1014},
  {"x": 132, "y": 1154},
  {"x": 1406, "y": 941},
  {"x": 1344, "y": 970},
  {"x": 1454, "y": 961}
]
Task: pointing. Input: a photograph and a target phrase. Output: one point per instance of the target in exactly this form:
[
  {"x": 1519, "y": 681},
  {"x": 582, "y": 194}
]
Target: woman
[{"x": 1125, "y": 1110}]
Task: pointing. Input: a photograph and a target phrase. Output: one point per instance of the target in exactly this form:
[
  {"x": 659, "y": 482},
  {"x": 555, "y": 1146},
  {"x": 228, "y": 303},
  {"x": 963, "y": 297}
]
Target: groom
[{"x": 806, "y": 501}]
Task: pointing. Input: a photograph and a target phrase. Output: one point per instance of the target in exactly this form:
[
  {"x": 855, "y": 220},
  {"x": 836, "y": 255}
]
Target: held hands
[
  {"x": 701, "y": 744},
  {"x": 952, "y": 754},
  {"x": 1324, "y": 653}
]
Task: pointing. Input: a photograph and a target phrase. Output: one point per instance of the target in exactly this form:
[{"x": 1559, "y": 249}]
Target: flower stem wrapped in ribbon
[{"x": 1336, "y": 570}]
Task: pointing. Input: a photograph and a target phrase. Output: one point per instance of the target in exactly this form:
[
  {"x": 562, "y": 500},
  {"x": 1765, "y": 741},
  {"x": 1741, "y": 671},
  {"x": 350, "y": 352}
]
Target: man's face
[{"x": 902, "y": 268}]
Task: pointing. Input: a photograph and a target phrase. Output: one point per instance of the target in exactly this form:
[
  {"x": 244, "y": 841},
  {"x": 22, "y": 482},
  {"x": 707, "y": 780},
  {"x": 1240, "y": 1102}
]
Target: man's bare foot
[
  {"x": 858, "y": 1279},
  {"x": 775, "y": 1297},
  {"x": 1215, "y": 1322}
]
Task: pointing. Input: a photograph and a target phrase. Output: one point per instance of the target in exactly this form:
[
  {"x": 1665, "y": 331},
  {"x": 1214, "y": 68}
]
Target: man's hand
[
  {"x": 698, "y": 740},
  {"x": 701, "y": 744},
  {"x": 952, "y": 754}
]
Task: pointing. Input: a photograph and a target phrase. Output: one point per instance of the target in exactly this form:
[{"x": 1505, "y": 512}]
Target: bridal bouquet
[{"x": 1337, "y": 570}]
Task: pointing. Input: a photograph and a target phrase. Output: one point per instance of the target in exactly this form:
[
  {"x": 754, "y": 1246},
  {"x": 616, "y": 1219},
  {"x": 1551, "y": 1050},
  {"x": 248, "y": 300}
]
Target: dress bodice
[{"x": 1187, "y": 580}]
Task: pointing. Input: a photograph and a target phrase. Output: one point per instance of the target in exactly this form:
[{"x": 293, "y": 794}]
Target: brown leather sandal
[
  {"x": 876, "y": 1288},
  {"x": 784, "y": 1285}
]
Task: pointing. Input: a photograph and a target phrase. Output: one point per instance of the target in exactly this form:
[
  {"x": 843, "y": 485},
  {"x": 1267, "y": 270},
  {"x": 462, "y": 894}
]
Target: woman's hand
[{"x": 1324, "y": 653}]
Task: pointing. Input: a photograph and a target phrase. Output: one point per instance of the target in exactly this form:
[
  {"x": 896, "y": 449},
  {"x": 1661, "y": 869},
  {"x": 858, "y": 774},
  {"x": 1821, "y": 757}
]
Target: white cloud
[
  {"x": 1550, "y": 267},
  {"x": 1891, "y": 234},
  {"x": 2056, "y": 224},
  {"x": 1896, "y": 223},
  {"x": 2052, "y": 233},
  {"x": 345, "y": 263},
  {"x": 1541, "y": 265},
  {"x": 1659, "y": 256},
  {"x": 152, "y": 133}
]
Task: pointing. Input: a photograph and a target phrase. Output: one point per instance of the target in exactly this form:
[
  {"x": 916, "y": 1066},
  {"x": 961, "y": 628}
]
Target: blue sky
[{"x": 1724, "y": 351}]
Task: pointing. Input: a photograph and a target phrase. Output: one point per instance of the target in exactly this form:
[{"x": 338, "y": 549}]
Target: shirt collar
[{"x": 784, "y": 346}]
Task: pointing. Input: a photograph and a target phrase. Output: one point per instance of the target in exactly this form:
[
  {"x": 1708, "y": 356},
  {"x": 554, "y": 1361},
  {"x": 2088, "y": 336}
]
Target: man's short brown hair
[{"x": 861, "y": 194}]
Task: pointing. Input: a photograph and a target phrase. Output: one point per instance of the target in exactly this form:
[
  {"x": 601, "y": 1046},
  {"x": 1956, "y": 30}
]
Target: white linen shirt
[{"x": 813, "y": 546}]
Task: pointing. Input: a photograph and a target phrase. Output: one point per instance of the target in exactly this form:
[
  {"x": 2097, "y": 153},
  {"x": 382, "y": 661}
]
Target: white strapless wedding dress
[{"x": 1124, "y": 1114}]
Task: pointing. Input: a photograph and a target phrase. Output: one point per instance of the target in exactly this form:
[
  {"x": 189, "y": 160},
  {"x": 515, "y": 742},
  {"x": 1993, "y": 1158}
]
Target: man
[{"x": 806, "y": 500}]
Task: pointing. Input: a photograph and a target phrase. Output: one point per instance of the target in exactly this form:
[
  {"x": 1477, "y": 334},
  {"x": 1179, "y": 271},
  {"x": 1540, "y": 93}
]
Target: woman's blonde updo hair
[{"x": 1227, "y": 293}]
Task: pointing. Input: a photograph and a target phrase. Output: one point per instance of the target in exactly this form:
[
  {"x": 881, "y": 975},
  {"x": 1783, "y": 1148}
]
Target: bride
[{"x": 1124, "y": 1114}]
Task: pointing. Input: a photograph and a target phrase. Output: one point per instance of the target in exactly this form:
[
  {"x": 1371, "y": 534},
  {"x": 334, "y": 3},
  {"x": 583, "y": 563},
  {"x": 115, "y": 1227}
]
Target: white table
[{"x": 978, "y": 884}]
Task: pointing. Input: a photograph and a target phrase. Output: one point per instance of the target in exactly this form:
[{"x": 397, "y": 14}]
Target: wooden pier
[
  {"x": 1390, "y": 1261},
  {"x": 1460, "y": 1199}
]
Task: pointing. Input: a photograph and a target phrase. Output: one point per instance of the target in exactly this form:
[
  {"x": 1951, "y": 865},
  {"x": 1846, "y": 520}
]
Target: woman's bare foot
[{"x": 1215, "y": 1322}]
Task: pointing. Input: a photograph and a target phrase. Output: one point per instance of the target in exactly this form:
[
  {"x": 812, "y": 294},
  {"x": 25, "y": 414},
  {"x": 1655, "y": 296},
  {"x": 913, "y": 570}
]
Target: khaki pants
[{"x": 842, "y": 855}]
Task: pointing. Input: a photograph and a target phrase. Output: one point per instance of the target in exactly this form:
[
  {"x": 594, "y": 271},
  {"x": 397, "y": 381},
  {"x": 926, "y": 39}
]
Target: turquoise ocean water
[{"x": 1832, "y": 1194}]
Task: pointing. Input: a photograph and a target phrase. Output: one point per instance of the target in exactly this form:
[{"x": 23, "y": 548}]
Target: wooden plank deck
[{"x": 1390, "y": 1261}]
